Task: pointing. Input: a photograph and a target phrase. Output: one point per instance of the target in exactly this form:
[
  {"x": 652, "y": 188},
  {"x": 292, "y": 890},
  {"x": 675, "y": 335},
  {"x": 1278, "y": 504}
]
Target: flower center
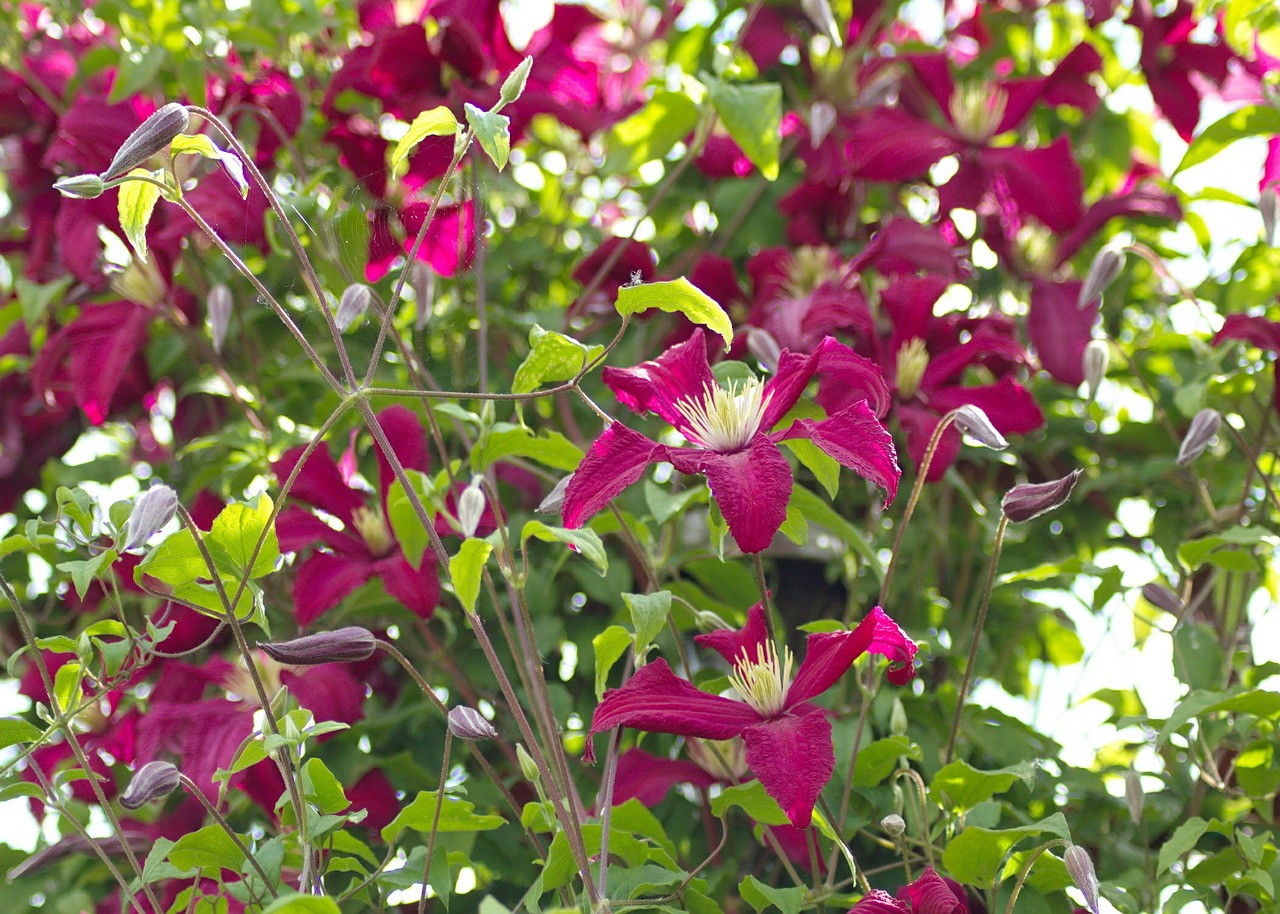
[
  {"x": 726, "y": 759},
  {"x": 976, "y": 110},
  {"x": 373, "y": 529},
  {"x": 726, "y": 420},
  {"x": 913, "y": 359},
  {"x": 763, "y": 682},
  {"x": 1036, "y": 248},
  {"x": 807, "y": 269}
]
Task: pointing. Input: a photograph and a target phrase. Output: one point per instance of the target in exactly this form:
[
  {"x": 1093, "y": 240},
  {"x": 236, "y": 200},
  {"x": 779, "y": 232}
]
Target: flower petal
[
  {"x": 930, "y": 894},
  {"x": 323, "y": 580},
  {"x": 680, "y": 373},
  {"x": 878, "y": 901},
  {"x": 731, "y": 644},
  {"x": 828, "y": 655},
  {"x": 752, "y": 487},
  {"x": 793, "y": 758},
  {"x": 855, "y": 437},
  {"x": 1009, "y": 405},
  {"x": 1256, "y": 331},
  {"x": 297, "y": 529},
  {"x": 319, "y": 483},
  {"x": 408, "y": 441},
  {"x": 1059, "y": 329},
  {"x": 648, "y": 777},
  {"x": 418, "y": 590},
  {"x": 616, "y": 460}
]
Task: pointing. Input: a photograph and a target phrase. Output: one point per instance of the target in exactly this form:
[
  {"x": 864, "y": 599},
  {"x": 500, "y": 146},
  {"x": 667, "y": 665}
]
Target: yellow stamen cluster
[
  {"x": 726, "y": 420},
  {"x": 763, "y": 682},
  {"x": 726, "y": 759},
  {"x": 809, "y": 268},
  {"x": 140, "y": 282},
  {"x": 1036, "y": 248},
  {"x": 976, "y": 110},
  {"x": 373, "y": 529},
  {"x": 913, "y": 359},
  {"x": 239, "y": 684}
]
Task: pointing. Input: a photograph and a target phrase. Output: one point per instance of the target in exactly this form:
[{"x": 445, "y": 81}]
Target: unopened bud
[
  {"x": 513, "y": 85},
  {"x": 898, "y": 718},
  {"x": 422, "y": 279},
  {"x": 218, "y": 304},
  {"x": 342, "y": 645},
  {"x": 1204, "y": 427},
  {"x": 1024, "y": 502},
  {"x": 1106, "y": 266},
  {"x": 1134, "y": 797},
  {"x": 1097, "y": 355},
  {"x": 355, "y": 302},
  {"x": 469, "y": 724},
  {"x": 1269, "y": 206},
  {"x": 822, "y": 117},
  {"x": 555, "y": 499},
  {"x": 762, "y": 345},
  {"x": 819, "y": 13},
  {"x": 893, "y": 824},
  {"x": 85, "y": 187},
  {"x": 527, "y": 765},
  {"x": 1080, "y": 867},
  {"x": 154, "y": 781},
  {"x": 974, "y": 422},
  {"x": 153, "y": 509},
  {"x": 471, "y": 507},
  {"x": 154, "y": 134},
  {"x": 1162, "y": 597}
]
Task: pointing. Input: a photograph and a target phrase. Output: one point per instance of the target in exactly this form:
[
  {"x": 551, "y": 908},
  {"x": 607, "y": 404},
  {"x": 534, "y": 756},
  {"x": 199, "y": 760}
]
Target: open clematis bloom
[
  {"x": 930, "y": 894},
  {"x": 787, "y": 738},
  {"x": 731, "y": 430}
]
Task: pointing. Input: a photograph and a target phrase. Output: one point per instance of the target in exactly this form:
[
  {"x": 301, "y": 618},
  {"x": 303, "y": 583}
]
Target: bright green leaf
[
  {"x": 208, "y": 847},
  {"x": 237, "y": 530},
  {"x": 879, "y": 759},
  {"x": 1252, "y": 120},
  {"x": 753, "y": 117},
  {"x": 678, "y": 296},
  {"x": 325, "y": 789},
  {"x": 506, "y": 440},
  {"x": 455, "y": 816},
  {"x": 609, "y": 646},
  {"x": 585, "y": 542},
  {"x": 754, "y": 802},
  {"x": 465, "y": 571},
  {"x": 651, "y": 132},
  {"x": 648, "y": 615},
  {"x": 552, "y": 357},
  {"x": 17, "y": 731},
  {"x": 439, "y": 121},
  {"x": 964, "y": 786},
  {"x": 137, "y": 202},
  {"x": 761, "y": 895},
  {"x": 974, "y": 856},
  {"x": 493, "y": 131},
  {"x": 297, "y": 903},
  {"x": 1182, "y": 840}
]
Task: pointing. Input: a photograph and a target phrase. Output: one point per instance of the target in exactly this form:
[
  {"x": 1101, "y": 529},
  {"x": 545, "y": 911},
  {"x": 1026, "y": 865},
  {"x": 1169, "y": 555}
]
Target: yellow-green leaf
[
  {"x": 438, "y": 121},
  {"x": 679, "y": 296},
  {"x": 465, "y": 571},
  {"x": 136, "y": 204}
]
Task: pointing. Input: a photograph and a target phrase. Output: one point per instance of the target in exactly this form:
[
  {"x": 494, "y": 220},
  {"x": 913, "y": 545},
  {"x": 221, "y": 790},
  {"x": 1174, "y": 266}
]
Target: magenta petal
[
  {"x": 680, "y": 373},
  {"x": 751, "y": 486},
  {"x": 418, "y": 590},
  {"x": 616, "y": 460},
  {"x": 648, "y": 777},
  {"x": 319, "y": 483},
  {"x": 828, "y": 655},
  {"x": 880, "y": 902},
  {"x": 323, "y": 580},
  {"x": 1045, "y": 182},
  {"x": 297, "y": 529},
  {"x": 847, "y": 378},
  {"x": 887, "y": 144},
  {"x": 793, "y": 758},
  {"x": 930, "y": 894},
  {"x": 408, "y": 441},
  {"x": 855, "y": 437},
  {"x": 1256, "y": 331},
  {"x": 731, "y": 643},
  {"x": 1060, "y": 330},
  {"x": 919, "y": 425},
  {"x": 1009, "y": 405},
  {"x": 329, "y": 690}
]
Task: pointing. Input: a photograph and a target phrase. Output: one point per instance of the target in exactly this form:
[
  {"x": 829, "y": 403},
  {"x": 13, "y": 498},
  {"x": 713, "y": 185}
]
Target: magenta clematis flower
[
  {"x": 930, "y": 894},
  {"x": 731, "y": 430},
  {"x": 787, "y": 738}
]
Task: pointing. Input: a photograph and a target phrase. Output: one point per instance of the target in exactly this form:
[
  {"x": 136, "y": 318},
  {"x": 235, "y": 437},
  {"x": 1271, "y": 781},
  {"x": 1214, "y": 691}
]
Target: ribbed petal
[
  {"x": 1256, "y": 331},
  {"x": 888, "y": 144},
  {"x": 1059, "y": 330},
  {"x": 616, "y": 460},
  {"x": 829, "y": 655},
  {"x": 732, "y": 643},
  {"x": 648, "y": 777},
  {"x": 1009, "y": 405},
  {"x": 855, "y": 437},
  {"x": 408, "y": 441},
  {"x": 751, "y": 486},
  {"x": 880, "y": 902},
  {"x": 418, "y": 590},
  {"x": 319, "y": 483},
  {"x": 1045, "y": 182},
  {"x": 329, "y": 690},
  {"x": 930, "y": 894},
  {"x": 793, "y": 758},
  {"x": 680, "y": 373},
  {"x": 323, "y": 580},
  {"x": 297, "y": 529}
]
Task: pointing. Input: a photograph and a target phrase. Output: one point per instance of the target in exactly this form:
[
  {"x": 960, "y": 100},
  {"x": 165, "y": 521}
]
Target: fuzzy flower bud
[
  {"x": 528, "y": 767},
  {"x": 469, "y": 724},
  {"x": 355, "y": 301},
  {"x": 974, "y": 422},
  {"x": 1080, "y": 866},
  {"x": 1160, "y": 596},
  {"x": 893, "y": 824},
  {"x": 342, "y": 645},
  {"x": 154, "y": 781},
  {"x": 471, "y": 507},
  {"x": 1024, "y": 502},
  {"x": 1134, "y": 797},
  {"x": 1204, "y": 427},
  {"x": 513, "y": 85},
  {"x": 154, "y": 134},
  {"x": 1106, "y": 266},
  {"x": 1097, "y": 355},
  {"x": 85, "y": 187},
  {"x": 218, "y": 305},
  {"x": 153, "y": 509},
  {"x": 1269, "y": 205}
]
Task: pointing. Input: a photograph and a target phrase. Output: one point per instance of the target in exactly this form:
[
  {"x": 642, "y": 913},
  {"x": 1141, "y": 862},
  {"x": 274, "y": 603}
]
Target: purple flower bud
[
  {"x": 153, "y": 135},
  {"x": 513, "y": 85},
  {"x": 1134, "y": 798},
  {"x": 154, "y": 781},
  {"x": 1080, "y": 867},
  {"x": 342, "y": 645},
  {"x": 153, "y": 509},
  {"x": 974, "y": 422},
  {"x": 1269, "y": 206},
  {"x": 762, "y": 345},
  {"x": 355, "y": 301},
  {"x": 1204, "y": 427},
  {"x": 469, "y": 724},
  {"x": 1024, "y": 502},
  {"x": 1097, "y": 354},
  {"x": 471, "y": 507},
  {"x": 1102, "y": 273},
  {"x": 218, "y": 305},
  {"x": 1160, "y": 596},
  {"x": 85, "y": 187},
  {"x": 555, "y": 500}
]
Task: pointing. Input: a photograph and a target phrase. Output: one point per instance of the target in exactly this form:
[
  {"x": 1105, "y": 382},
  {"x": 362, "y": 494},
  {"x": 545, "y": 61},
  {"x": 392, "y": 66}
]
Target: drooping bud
[
  {"x": 893, "y": 824},
  {"x": 1080, "y": 867},
  {"x": 469, "y": 724},
  {"x": 154, "y": 781},
  {"x": 1269, "y": 206},
  {"x": 1030, "y": 500},
  {"x": 355, "y": 302},
  {"x": 85, "y": 187},
  {"x": 762, "y": 345},
  {"x": 153, "y": 509},
  {"x": 513, "y": 85},
  {"x": 218, "y": 304},
  {"x": 1203, "y": 428},
  {"x": 471, "y": 507},
  {"x": 1160, "y": 596},
  {"x": 822, "y": 117},
  {"x": 153, "y": 135},
  {"x": 1134, "y": 797},
  {"x": 555, "y": 499},
  {"x": 819, "y": 13},
  {"x": 974, "y": 422},
  {"x": 1106, "y": 266},
  {"x": 422, "y": 279},
  {"x": 528, "y": 767},
  {"x": 342, "y": 645},
  {"x": 1093, "y": 364}
]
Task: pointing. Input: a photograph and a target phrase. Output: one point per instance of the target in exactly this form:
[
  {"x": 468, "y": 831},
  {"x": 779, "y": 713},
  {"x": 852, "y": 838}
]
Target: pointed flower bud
[
  {"x": 153, "y": 509},
  {"x": 1106, "y": 266},
  {"x": 893, "y": 824},
  {"x": 898, "y": 718},
  {"x": 218, "y": 305},
  {"x": 469, "y": 724},
  {"x": 1269, "y": 205},
  {"x": 1024, "y": 502},
  {"x": 1164, "y": 598},
  {"x": 974, "y": 422},
  {"x": 762, "y": 345},
  {"x": 1097, "y": 355},
  {"x": 555, "y": 499},
  {"x": 422, "y": 279},
  {"x": 528, "y": 767},
  {"x": 86, "y": 187},
  {"x": 342, "y": 645},
  {"x": 1204, "y": 427},
  {"x": 1080, "y": 867},
  {"x": 154, "y": 134},
  {"x": 471, "y": 507},
  {"x": 154, "y": 781},
  {"x": 1134, "y": 797},
  {"x": 513, "y": 85},
  {"x": 822, "y": 117},
  {"x": 355, "y": 302}
]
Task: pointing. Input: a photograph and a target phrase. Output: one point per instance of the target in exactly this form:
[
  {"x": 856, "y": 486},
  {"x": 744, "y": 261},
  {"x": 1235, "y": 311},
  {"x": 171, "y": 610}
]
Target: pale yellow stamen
[
  {"x": 913, "y": 359},
  {"x": 976, "y": 110},
  {"x": 1036, "y": 248},
  {"x": 140, "y": 282},
  {"x": 239, "y": 684},
  {"x": 726, "y": 759},
  {"x": 373, "y": 529},
  {"x": 726, "y": 420},
  {"x": 763, "y": 682},
  {"x": 809, "y": 268}
]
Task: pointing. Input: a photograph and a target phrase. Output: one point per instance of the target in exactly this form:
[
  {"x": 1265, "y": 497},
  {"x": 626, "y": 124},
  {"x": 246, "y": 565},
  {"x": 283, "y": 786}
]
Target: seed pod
[
  {"x": 1269, "y": 206},
  {"x": 469, "y": 724},
  {"x": 355, "y": 302},
  {"x": 1097, "y": 355},
  {"x": 85, "y": 187},
  {"x": 1159, "y": 595},
  {"x": 471, "y": 507},
  {"x": 155, "y": 134},
  {"x": 974, "y": 422},
  {"x": 1203, "y": 428},
  {"x": 893, "y": 824},
  {"x": 513, "y": 85},
  {"x": 342, "y": 645},
  {"x": 154, "y": 781},
  {"x": 1134, "y": 797},
  {"x": 153, "y": 509},
  {"x": 1024, "y": 502},
  {"x": 1102, "y": 273},
  {"x": 218, "y": 305},
  {"x": 1080, "y": 867}
]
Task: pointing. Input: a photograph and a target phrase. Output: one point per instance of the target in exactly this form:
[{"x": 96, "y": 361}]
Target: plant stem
[
  {"x": 191, "y": 787},
  {"x": 435, "y": 821}
]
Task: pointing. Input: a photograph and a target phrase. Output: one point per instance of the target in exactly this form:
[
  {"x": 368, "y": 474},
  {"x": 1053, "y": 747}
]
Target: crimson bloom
[
  {"x": 730, "y": 429},
  {"x": 930, "y": 894},
  {"x": 787, "y": 738}
]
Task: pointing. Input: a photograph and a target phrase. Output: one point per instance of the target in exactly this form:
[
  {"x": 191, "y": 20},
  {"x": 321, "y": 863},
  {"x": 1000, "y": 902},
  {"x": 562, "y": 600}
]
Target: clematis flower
[
  {"x": 731, "y": 430},
  {"x": 787, "y": 738},
  {"x": 1256, "y": 331},
  {"x": 930, "y": 894}
]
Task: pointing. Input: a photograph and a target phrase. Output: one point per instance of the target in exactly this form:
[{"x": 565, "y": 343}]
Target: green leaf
[
  {"x": 438, "y": 121},
  {"x": 794, "y": 526},
  {"x": 505, "y": 440},
  {"x": 753, "y": 117},
  {"x": 17, "y": 731},
  {"x": 465, "y": 571},
  {"x": 177, "y": 560},
  {"x": 136, "y": 204},
  {"x": 649, "y": 613},
  {"x": 552, "y": 357},
  {"x": 585, "y": 542},
  {"x": 66, "y": 684},
  {"x": 974, "y": 856},
  {"x": 297, "y": 903},
  {"x": 609, "y": 646},
  {"x": 237, "y": 530},
  {"x": 36, "y": 298},
  {"x": 411, "y": 536},
  {"x": 678, "y": 296},
  {"x": 821, "y": 513},
  {"x": 1182, "y": 840},
  {"x": 493, "y": 131},
  {"x": 201, "y": 145},
  {"x": 84, "y": 572},
  {"x": 879, "y": 759},
  {"x": 1252, "y": 120},
  {"x": 324, "y": 788},
  {"x": 964, "y": 786},
  {"x": 651, "y": 132},
  {"x": 455, "y": 816},
  {"x": 135, "y": 71},
  {"x": 761, "y": 895},
  {"x": 208, "y": 847},
  {"x": 156, "y": 859},
  {"x": 560, "y": 866},
  {"x": 754, "y": 802}
]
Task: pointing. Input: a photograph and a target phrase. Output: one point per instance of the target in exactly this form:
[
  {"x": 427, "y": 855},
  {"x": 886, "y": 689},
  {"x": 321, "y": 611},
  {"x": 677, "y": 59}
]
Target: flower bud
[
  {"x": 1102, "y": 273},
  {"x": 1024, "y": 502},
  {"x": 1080, "y": 867},
  {"x": 893, "y": 824},
  {"x": 1097, "y": 355},
  {"x": 1269, "y": 206},
  {"x": 819, "y": 13},
  {"x": 469, "y": 724},
  {"x": 153, "y": 509},
  {"x": 355, "y": 301},
  {"x": 1203, "y": 428},
  {"x": 528, "y": 766},
  {"x": 85, "y": 187},
  {"x": 762, "y": 345},
  {"x": 1162, "y": 597},
  {"x": 422, "y": 279},
  {"x": 154, "y": 134},
  {"x": 342, "y": 645},
  {"x": 898, "y": 718},
  {"x": 1134, "y": 798},
  {"x": 555, "y": 500},
  {"x": 155, "y": 781},
  {"x": 218, "y": 305},
  {"x": 471, "y": 507},
  {"x": 974, "y": 422},
  {"x": 513, "y": 85},
  {"x": 822, "y": 117}
]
